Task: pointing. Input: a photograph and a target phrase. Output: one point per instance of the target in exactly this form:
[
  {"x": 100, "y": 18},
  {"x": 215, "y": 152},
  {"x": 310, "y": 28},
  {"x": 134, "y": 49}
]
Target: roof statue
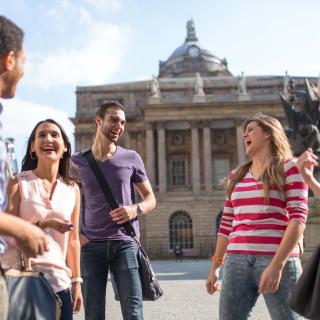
[
  {"x": 154, "y": 87},
  {"x": 304, "y": 125},
  {"x": 286, "y": 83},
  {"x": 198, "y": 86},
  {"x": 191, "y": 31},
  {"x": 242, "y": 86}
]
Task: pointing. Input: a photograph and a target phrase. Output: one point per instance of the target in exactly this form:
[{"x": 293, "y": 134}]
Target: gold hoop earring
[{"x": 33, "y": 155}]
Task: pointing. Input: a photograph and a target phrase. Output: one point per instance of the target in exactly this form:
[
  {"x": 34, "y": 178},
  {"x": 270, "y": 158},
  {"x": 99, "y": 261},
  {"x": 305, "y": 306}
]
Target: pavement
[{"x": 185, "y": 295}]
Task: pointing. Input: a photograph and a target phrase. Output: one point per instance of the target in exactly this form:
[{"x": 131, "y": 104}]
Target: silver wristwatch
[{"x": 140, "y": 209}]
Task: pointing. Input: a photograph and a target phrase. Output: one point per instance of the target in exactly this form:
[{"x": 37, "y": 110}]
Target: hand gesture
[
  {"x": 77, "y": 299},
  {"x": 57, "y": 224},
  {"x": 31, "y": 239},
  {"x": 270, "y": 280},
  {"x": 124, "y": 214},
  {"x": 212, "y": 281},
  {"x": 306, "y": 163}
]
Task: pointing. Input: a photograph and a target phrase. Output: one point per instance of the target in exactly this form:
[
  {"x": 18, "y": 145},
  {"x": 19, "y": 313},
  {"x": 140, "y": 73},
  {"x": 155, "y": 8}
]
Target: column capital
[
  {"x": 206, "y": 123},
  {"x": 238, "y": 122},
  {"x": 150, "y": 125},
  {"x": 194, "y": 124},
  {"x": 160, "y": 125}
]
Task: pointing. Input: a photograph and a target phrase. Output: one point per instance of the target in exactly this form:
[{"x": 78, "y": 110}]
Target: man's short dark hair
[
  {"x": 107, "y": 104},
  {"x": 11, "y": 36}
]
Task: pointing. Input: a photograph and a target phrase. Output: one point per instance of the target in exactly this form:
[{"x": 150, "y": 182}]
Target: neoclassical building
[{"x": 186, "y": 125}]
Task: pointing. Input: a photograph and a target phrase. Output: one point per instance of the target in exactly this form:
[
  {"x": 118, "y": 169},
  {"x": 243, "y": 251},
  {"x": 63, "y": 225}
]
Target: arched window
[{"x": 180, "y": 226}]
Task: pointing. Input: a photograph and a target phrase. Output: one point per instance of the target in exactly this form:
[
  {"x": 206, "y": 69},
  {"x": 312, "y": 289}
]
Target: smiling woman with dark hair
[{"x": 45, "y": 194}]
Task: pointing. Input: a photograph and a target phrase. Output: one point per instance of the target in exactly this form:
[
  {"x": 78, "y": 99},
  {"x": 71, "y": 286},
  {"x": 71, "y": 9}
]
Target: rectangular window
[
  {"x": 178, "y": 168},
  {"x": 220, "y": 168}
]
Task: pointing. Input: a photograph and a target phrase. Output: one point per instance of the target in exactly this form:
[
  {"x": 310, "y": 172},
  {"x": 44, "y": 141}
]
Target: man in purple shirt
[
  {"x": 105, "y": 245},
  {"x": 30, "y": 238}
]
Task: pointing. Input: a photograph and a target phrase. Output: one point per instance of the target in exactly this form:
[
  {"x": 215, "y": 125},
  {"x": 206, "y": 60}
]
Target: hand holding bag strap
[
  {"x": 106, "y": 189},
  {"x": 25, "y": 263}
]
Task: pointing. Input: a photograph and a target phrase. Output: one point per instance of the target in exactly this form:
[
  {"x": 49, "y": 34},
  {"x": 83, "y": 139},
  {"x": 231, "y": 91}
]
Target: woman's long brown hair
[{"x": 280, "y": 150}]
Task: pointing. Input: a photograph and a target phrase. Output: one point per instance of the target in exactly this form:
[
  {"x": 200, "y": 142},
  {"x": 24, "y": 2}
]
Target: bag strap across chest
[{"x": 88, "y": 155}]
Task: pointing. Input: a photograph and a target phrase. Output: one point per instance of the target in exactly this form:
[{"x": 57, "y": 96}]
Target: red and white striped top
[{"x": 254, "y": 224}]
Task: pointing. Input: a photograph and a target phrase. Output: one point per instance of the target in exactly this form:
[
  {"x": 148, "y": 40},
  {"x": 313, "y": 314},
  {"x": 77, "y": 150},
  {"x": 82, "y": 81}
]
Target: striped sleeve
[
  {"x": 227, "y": 219},
  {"x": 297, "y": 193}
]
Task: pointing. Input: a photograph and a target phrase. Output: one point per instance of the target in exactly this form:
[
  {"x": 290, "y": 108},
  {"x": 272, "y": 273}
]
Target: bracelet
[
  {"x": 73, "y": 280},
  {"x": 217, "y": 260}
]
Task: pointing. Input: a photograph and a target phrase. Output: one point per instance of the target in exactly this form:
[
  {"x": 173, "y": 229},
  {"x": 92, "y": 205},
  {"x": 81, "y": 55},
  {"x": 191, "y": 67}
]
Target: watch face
[
  {"x": 193, "y": 51},
  {"x": 140, "y": 209}
]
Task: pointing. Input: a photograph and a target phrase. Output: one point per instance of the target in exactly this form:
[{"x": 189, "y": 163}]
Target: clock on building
[{"x": 193, "y": 51}]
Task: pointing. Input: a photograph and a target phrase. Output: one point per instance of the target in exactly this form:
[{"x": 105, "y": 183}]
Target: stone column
[
  {"x": 240, "y": 144},
  {"x": 195, "y": 158},
  {"x": 150, "y": 158},
  {"x": 140, "y": 144},
  {"x": 162, "y": 172},
  {"x": 127, "y": 140},
  {"x": 207, "y": 156}
]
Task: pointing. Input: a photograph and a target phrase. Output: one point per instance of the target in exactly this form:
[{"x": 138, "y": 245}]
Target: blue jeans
[
  {"x": 121, "y": 258},
  {"x": 239, "y": 291},
  {"x": 4, "y": 299},
  {"x": 66, "y": 306}
]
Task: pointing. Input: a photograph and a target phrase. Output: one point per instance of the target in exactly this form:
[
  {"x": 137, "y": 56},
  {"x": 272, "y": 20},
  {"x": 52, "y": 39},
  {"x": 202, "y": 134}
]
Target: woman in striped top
[{"x": 263, "y": 219}]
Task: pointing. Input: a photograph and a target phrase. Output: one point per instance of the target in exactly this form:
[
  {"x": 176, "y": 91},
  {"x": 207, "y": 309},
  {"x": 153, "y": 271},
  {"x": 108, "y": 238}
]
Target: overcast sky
[{"x": 94, "y": 42}]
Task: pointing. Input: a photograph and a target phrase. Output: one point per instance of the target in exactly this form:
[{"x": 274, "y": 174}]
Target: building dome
[{"x": 191, "y": 58}]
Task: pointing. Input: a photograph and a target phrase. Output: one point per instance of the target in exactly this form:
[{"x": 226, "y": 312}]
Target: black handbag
[
  {"x": 151, "y": 290},
  {"x": 305, "y": 298}
]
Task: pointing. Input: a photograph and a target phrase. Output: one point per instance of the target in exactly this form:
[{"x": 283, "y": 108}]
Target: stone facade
[{"x": 186, "y": 125}]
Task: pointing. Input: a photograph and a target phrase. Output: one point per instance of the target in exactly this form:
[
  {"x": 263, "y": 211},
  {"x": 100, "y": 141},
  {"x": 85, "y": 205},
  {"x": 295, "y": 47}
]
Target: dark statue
[{"x": 304, "y": 125}]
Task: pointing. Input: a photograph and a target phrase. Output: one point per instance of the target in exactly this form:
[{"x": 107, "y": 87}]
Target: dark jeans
[
  {"x": 121, "y": 258},
  {"x": 66, "y": 307}
]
